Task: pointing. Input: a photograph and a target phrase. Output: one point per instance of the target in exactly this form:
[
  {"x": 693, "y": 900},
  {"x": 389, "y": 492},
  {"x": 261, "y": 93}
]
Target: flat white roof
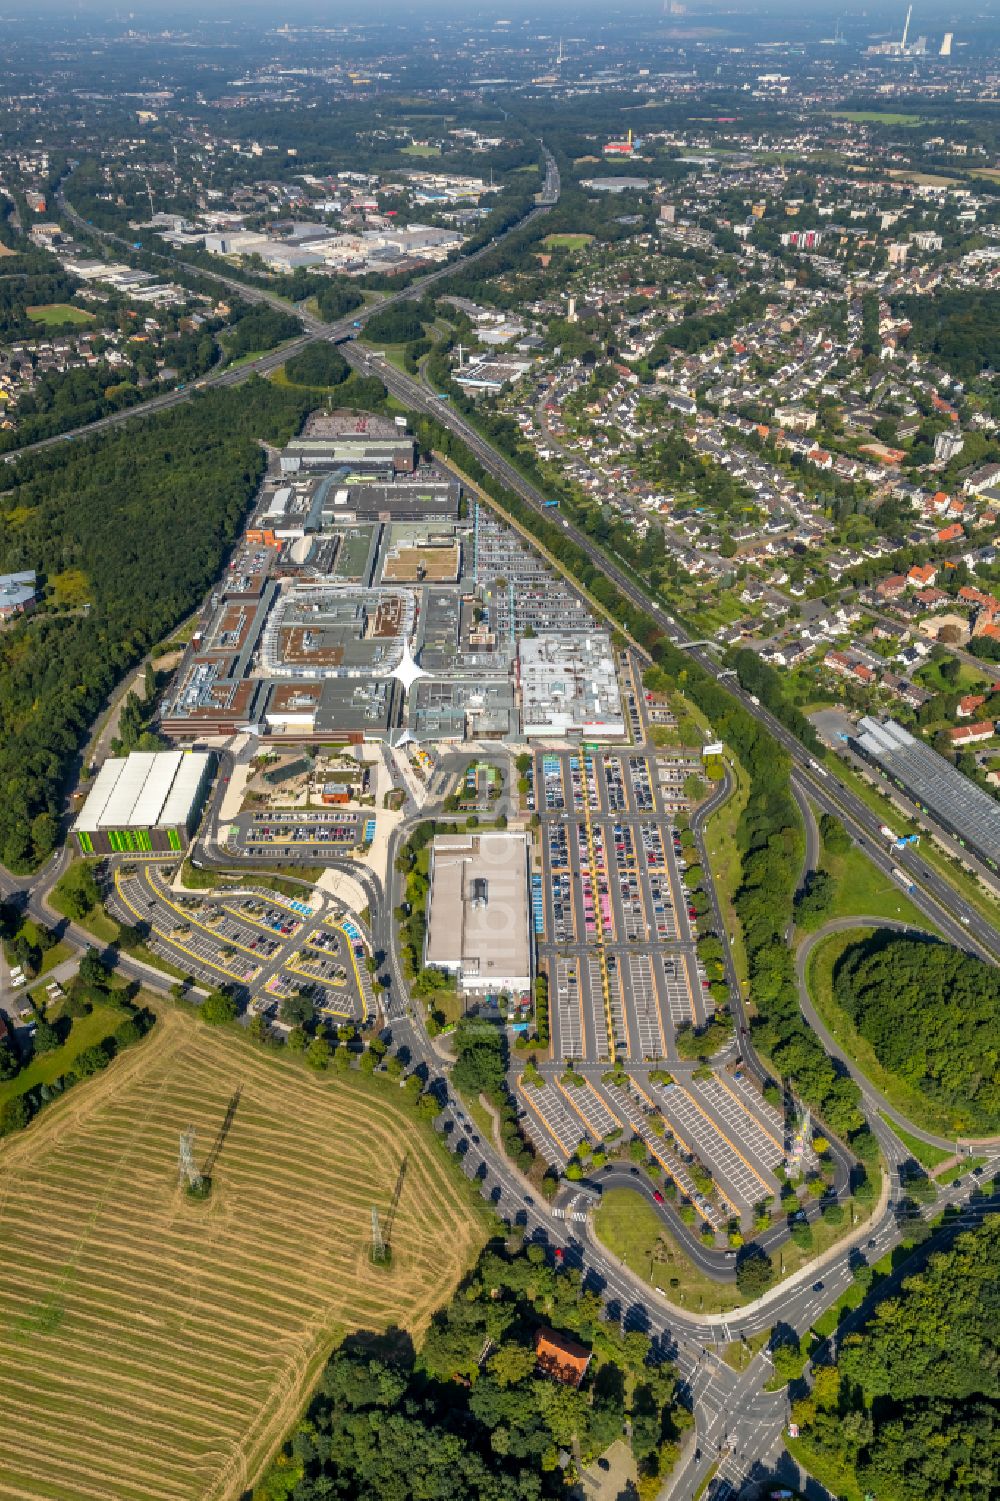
[
  {"x": 144, "y": 790},
  {"x": 90, "y": 816},
  {"x": 187, "y": 785},
  {"x": 159, "y": 779}
]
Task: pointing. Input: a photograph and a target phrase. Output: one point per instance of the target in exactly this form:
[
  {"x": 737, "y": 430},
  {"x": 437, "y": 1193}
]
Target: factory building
[
  {"x": 569, "y": 688},
  {"x": 147, "y": 801},
  {"x": 477, "y": 914}
]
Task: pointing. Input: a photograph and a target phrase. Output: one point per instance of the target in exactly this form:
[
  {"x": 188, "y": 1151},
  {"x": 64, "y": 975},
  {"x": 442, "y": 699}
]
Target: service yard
[{"x": 157, "y": 1348}]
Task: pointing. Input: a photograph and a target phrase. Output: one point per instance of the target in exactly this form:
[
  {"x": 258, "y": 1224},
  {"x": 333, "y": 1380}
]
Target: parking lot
[
  {"x": 617, "y": 936},
  {"x": 263, "y": 944},
  {"x": 719, "y": 1129},
  {"x": 312, "y": 832}
]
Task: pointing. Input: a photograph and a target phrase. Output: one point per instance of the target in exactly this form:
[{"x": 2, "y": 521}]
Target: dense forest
[
  {"x": 911, "y": 1410},
  {"x": 960, "y": 328},
  {"x": 470, "y": 1418},
  {"x": 932, "y": 1015},
  {"x": 127, "y": 530},
  {"x": 320, "y": 364}
]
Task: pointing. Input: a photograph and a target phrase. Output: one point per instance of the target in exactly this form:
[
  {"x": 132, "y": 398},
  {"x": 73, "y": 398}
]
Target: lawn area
[
  {"x": 632, "y": 1231},
  {"x": 876, "y": 117},
  {"x": 85, "y": 1032},
  {"x": 865, "y": 891},
  {"x": 567, "y": 241},
  {"x": 97, "y": 921},
  {"x": 969, "y": 679},
  {"x": 741, "y": 1352},
  {"x": 902, "y": 1096},
  {"x": 54, "y": 314},
  {"x": 928, "y": 1156},
  {"x": 958, "y": 1170},
  {"x": 414, "y": 150},
  {"x": 725, "y": 864}
]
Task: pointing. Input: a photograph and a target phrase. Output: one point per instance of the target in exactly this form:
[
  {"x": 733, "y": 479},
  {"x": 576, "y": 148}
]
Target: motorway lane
[
  {"x": 343, "y": 328},
  {"x": 947, "y": 910},
  {"x": 874, "y": 1099}
]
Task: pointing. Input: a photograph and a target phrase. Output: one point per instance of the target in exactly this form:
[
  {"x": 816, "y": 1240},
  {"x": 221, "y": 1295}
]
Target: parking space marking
[
  {"x": 597, "y": 1006},
  {"x": 549, "y": 1109},
  {"x": 771, "y": 1128},
  {"x": 646, "y": 1006},
  {"x": 727, "y": 1115},
  {"x": 709, "y": 1142},
  {"x": 569, "y": 1036}
]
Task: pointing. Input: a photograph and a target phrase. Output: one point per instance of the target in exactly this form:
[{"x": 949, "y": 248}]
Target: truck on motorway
[{"x": 903, "y": 879}]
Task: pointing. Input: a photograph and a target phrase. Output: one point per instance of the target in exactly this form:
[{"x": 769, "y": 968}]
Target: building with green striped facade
[{"x": 143, "y": 803}]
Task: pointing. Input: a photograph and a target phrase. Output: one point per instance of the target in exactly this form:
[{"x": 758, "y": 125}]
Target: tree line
[{"x": 471, "y": 1417}]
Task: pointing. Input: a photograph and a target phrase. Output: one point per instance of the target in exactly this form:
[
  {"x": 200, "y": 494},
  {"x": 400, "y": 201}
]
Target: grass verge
[
  {"x": 726, "y": 865},
  {"x": 865, "y": 891},
  {"x": 927, "y": 1155}
]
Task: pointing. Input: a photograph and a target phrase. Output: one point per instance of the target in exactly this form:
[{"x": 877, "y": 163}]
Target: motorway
[
  {"x": 315, "y": 328},
  {"x": 738, "y": 1425}
]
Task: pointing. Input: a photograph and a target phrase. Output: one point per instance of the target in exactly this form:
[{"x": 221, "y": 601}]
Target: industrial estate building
[
  {"x": 477, "y": 912},
  {"x": 956, "y": 803},
  {"x": 149, "y": 800}
]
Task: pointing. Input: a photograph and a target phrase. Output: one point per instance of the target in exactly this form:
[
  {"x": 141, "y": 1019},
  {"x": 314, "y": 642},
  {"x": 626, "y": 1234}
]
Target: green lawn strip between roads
[
  {"x": 963, "y": 881},
  {"x": 632, "y": 1230},
  {"x": 819, "y": 979},
  {"x": 725, "y": 861},
  {"x": 865, "y": 891},
  {"x": 928, "y": 1156},
  {"x": 741, "y": 1352}
]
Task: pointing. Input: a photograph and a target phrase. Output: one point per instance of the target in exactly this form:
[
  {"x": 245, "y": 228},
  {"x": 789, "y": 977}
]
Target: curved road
[{"x": 874, "y": 1098}]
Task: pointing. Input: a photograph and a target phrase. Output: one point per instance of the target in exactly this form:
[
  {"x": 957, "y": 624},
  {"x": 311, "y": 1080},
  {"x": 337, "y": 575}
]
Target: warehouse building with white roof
[{"x": 148, "y": 801}]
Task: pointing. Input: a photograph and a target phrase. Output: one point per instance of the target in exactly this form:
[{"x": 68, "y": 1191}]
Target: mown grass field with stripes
[{"x": 155, "y": 1348}]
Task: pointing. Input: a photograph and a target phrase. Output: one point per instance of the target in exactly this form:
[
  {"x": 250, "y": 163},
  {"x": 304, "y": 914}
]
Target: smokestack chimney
[{"x": 906, "y": 28}]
